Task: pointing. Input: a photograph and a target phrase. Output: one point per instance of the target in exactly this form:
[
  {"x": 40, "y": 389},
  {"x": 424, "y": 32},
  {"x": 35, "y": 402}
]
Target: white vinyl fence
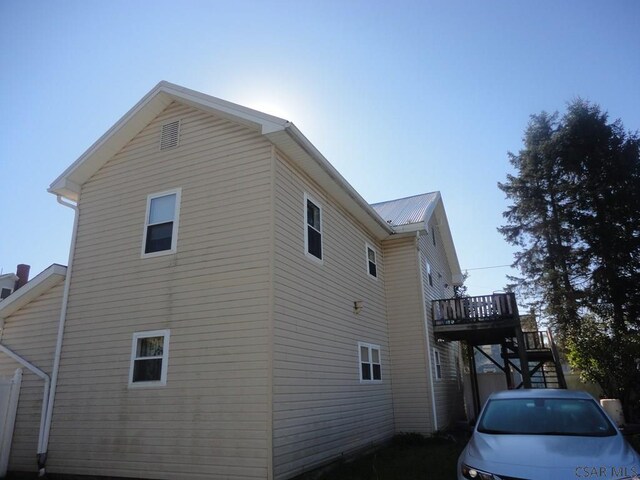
[{"x": 9, "y": 393}]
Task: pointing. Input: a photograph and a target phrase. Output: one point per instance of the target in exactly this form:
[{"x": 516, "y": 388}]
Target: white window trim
[
  {"x": 320, "y": 261},
  {"x": 370, "y": 346},
  {"x": 165, "y": 358},
  {"x": 368, "y": 247},
  {"x": 437, "y": 365},
  {"x": 176, "y": 221}
]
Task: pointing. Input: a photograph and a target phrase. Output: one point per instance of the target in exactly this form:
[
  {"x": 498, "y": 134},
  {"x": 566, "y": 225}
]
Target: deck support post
[
  {"x": 507, "y": 368},
  {"x": 522, "y": 355},
  {"x": 473, "y": 374}
]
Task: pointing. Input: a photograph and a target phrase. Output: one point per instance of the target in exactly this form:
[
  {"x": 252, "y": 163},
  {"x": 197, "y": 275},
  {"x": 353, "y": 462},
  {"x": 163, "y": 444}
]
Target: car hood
[{"x": 552, "y": 456}]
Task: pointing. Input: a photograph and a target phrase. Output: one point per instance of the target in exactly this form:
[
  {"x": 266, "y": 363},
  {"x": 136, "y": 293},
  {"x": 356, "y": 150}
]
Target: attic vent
[{"x": 170, "y": 135}]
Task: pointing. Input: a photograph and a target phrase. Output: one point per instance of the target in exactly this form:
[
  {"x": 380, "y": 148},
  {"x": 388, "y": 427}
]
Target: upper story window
[
  {"x": 149, "y": 358},
  {"x": 429, "y": 274},
  {"x": 313, "y": 228},
  {"x": 161, "y": 223},
  {"x": 5, "y": 292},
  {"x": 433, "y": 235},
  {"x": 370, "y": 365},
  {"x": 372, "y": 264}
]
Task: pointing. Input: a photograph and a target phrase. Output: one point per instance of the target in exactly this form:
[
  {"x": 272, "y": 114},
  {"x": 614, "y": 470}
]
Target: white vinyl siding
[
  {"x": 211, "y": 419},
  {"x": 160, "y": 235},
  {"x": 409, "y": 357},
  {"x": 31, "y": 332},
  {"x": 320, "y": 409},
  {"x": 449, "y": 402}
]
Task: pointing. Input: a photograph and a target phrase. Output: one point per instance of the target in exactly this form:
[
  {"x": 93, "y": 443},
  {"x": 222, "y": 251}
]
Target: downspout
[
  {"x": 45, "y": 395},
  {"x": 42, "y": 456},
  {"x": 426, "y": 324}
]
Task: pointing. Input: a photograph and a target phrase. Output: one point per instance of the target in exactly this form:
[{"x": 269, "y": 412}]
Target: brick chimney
[{"x": 22, "y": 272}]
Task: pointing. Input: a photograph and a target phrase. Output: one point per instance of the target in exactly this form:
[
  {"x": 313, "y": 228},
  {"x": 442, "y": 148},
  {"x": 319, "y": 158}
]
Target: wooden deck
[{"x": 481, "y": 319}]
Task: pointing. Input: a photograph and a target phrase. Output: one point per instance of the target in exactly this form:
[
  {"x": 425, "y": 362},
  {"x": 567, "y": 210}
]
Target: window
[
  {"x": 161, "y": 223},
  {"x": 372, "y": 266},
  {"x": 433, "y": 235},
  {"x": 149, "y": 357},
  {"x": 370, "y": 369},
  {"x": 313, "y": 230},
  {"x": 436, "y": 361},
  {"x": 429, "y": 275},
  {"x": 5, "y": 293}
]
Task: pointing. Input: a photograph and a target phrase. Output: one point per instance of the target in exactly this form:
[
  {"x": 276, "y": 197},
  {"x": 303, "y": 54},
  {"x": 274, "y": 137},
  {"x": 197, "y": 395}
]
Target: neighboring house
[{"x": 232, "y": 308}]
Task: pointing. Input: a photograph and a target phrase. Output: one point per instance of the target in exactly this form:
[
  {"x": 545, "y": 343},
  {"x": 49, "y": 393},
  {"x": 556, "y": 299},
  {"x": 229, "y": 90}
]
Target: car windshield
[{"x": 545, "y": 416}]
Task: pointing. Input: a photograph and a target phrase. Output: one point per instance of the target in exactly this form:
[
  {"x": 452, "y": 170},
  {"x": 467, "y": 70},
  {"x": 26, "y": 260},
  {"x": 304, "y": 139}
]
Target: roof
[
  {"x": 282, "y": 133},
  {"x": 35, "y": 287},
  {"x": 416, "y": 213},
  {"x": 404, "y": 211}
]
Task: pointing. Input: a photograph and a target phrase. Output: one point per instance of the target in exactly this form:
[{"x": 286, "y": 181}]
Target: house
[{"x": 232, "y": 307}]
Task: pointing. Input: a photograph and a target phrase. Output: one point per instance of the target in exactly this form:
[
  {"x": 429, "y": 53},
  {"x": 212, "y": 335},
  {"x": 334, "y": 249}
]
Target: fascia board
[
  {"x": 410, "y": 227},
  {"x": 41, "y": 283},
  {"x": 69, "y": 183},
  {"x": 447, "y": 240},
  {"x": 260, "y": 121},
  {"x": 302, "y": 152}
]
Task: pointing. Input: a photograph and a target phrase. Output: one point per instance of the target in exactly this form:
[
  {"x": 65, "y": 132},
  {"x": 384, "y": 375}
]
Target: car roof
[{"x": 541, "y": 393}]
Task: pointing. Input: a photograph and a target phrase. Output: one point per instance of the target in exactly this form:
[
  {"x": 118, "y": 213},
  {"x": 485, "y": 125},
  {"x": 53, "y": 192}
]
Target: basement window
[
  {"x": 372, "y": 265},
  {"x": 161, "y": 223},
  {"x": 313, "y": 228},
  {"x": 370, "y": 367},
  {"x": 149, "y": 358}
]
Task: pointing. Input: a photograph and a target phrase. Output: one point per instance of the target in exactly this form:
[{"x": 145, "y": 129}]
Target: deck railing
[
  {"x": 537, "y": 340},
  {"x": 485, "y": 308}
]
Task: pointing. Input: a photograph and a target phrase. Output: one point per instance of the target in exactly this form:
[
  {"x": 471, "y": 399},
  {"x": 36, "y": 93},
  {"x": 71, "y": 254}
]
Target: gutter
[
  {"x": 304, "y": 143},
  {"x": 42, "y": 453},
  {"x": 428, "y": 338}
]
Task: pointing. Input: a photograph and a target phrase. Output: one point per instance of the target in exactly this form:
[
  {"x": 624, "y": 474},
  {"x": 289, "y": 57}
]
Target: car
[{"x": 546, "y": 434}]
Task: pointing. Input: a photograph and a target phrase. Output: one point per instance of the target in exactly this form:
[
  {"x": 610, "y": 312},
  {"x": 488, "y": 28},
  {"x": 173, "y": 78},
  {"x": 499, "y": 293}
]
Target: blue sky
[{"x": 402, "y": 97}]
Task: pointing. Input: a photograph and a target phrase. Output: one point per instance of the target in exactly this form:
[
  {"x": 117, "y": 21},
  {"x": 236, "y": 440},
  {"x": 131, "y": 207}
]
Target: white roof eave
[
  {"x": 35, "y": 287},
  {"x": 280, "y": 132},
  {"x": 302, "y": 152}
]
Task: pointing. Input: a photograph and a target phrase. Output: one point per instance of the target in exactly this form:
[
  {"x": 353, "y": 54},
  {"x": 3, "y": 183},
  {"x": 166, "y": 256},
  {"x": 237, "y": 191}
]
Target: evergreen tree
[{"x": 575, "y": 217}]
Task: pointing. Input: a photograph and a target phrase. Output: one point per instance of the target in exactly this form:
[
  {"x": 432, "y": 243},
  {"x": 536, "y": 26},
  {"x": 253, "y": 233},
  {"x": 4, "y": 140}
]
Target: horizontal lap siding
[
  {"x": 211, "y": 419},
  {"x": 448, "y": 392},
  {"x": 30, "y": 332},
  {"x": 320, "y": 409},
  {"x": 411, "y": 391}
]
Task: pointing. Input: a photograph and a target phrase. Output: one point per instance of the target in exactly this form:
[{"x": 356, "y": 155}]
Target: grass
[{"x": 408, "y": 455}]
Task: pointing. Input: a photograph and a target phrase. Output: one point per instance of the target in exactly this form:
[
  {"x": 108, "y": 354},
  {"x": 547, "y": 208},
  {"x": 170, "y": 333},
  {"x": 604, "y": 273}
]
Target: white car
[{"x": 546, "y": 434}]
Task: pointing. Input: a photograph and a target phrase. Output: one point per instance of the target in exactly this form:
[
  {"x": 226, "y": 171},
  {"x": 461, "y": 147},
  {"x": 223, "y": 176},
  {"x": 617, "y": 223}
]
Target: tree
[{"x": 575, "y": 217}]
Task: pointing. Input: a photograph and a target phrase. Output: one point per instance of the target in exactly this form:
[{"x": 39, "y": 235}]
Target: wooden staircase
[
  {"x": 545, "y": 370},
  {"x": 494, "y": 320}
]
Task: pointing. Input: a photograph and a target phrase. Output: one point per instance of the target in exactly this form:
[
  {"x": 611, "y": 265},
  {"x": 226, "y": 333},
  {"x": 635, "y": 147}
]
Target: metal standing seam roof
[{"x": 405, "y": 211}]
